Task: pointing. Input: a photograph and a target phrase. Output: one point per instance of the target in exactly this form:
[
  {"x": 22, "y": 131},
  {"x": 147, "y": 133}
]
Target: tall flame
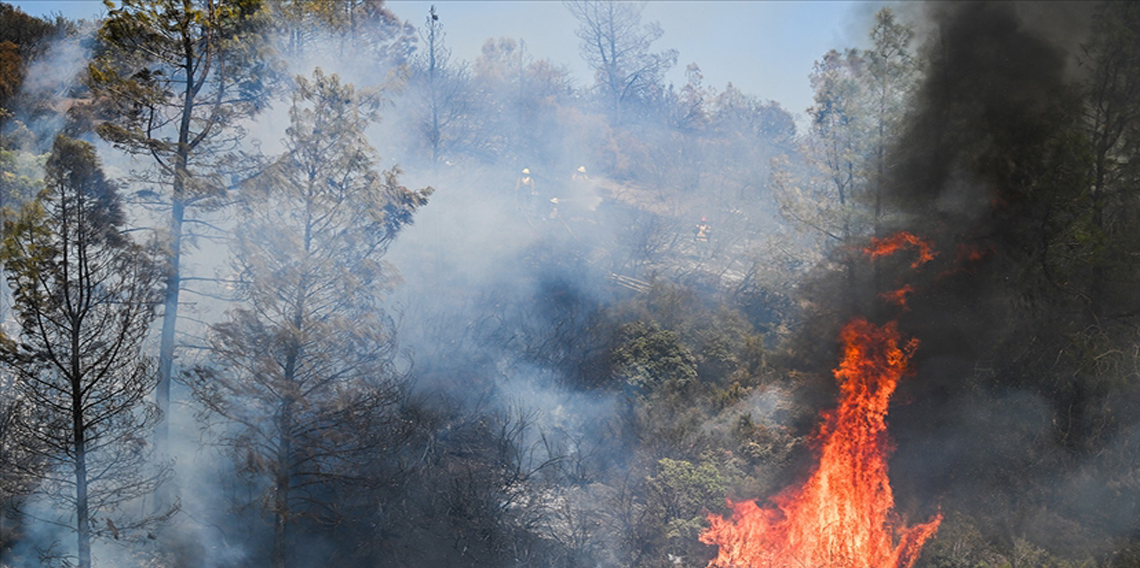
[{"x": 842, "y": 516}]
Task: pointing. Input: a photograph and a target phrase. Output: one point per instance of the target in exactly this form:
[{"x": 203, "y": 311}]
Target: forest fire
[
  {"x": 503, "y": 302},
  {"x": 842, "y": 516}
]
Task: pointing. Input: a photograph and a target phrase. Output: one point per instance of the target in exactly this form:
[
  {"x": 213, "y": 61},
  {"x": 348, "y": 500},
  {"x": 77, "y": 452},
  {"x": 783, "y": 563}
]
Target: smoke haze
[{"x": 619, "y": 304}]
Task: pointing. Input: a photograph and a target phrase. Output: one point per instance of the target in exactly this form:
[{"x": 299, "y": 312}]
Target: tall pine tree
[
  {"x": 305, "y": 367},
  {"x": 84, "y": 297}
]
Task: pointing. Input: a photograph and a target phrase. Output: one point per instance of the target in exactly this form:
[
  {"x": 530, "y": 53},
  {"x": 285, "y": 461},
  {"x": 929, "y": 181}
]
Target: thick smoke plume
[
  {"x": 1008, "y": 418},
  {"x": 620, "y": 306}
]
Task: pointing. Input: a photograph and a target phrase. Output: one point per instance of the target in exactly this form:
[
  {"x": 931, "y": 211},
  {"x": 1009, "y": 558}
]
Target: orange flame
[
  {"x": 898, "y": 297},
  {"x": 966, "y": 259},
  {"x": 972, "y": 253},
  {"x": 842, "y": 516},
  {"x": 896, "y": 242}
]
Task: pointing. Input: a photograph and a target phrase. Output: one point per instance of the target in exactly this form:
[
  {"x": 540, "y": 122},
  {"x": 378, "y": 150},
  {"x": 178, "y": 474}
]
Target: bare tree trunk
[
  {"x": 285, "y": 441},
  {"x": 83, "y": 521},
  {"x": 163, "y": 498},
  {"x": 1097, "y": 282},
  {"x": 281, "y": 496},
  {"x": 79, "y": 435},
  {"x": 432, "y": 47},
  {"x": 169, "y": 319}
]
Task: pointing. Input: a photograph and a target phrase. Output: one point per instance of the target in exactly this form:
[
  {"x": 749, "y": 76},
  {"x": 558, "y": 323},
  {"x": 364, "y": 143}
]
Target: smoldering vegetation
[{"x": 382, "y": 306}]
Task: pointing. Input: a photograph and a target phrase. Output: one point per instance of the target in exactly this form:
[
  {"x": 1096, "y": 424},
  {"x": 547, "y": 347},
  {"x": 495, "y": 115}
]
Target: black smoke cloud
[{"x": 1001, "y": 420}]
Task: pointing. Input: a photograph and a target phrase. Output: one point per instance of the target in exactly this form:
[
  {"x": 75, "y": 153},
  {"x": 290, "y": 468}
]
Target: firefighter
[
  {"x": 703, "y": 231},
  {"x": 526, "y": 193},
  {"x": 525, "y": 184},
  {"x": 553, "y": 215}
]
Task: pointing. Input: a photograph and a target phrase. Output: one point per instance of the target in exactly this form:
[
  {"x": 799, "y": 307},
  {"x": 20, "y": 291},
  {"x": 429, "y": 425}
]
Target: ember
[
  {"x": 898, "y": 297},
  {"x": 894, "y": 243}
]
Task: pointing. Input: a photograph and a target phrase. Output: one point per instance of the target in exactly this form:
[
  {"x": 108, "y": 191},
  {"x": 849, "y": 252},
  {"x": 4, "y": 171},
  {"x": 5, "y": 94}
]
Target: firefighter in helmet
[
  {"x": 526, "y": 193},
  {"x": 525, "y": 184},
  {"x": 703, "y": 231}
]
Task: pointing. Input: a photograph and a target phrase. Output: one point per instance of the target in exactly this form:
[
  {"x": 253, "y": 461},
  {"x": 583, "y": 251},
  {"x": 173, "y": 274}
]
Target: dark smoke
[
  {"x": 1004, "y": 421},
  {"x": 586, "y": 379}
]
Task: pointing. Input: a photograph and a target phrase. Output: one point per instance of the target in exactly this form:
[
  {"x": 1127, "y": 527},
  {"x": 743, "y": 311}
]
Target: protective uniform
[
  {"x": 526, "y": 183},
  {"x": 703, "y": 231},
  {"x": 580, "y": 175},
  {"x": 527, "y": 194}
]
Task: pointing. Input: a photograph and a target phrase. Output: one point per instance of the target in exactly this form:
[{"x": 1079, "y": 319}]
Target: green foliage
[
  {"x": 22, "y": 39},
  {"x": 960, "y": 544},
  {"x": 650, "y": 359},
  {"x": 20, "y": 177},
  {"x": 762, "y": 443},
  {"x": 719, "y": 342},
  {"x": 683, "y": 493},
  {"x": 172, "y": 81},
  {"x": 366, "y": 27},
  {"x": 860, "y": 101},
  {"x": 27, "y": 32},
  {"x": 172, "y": 78}
]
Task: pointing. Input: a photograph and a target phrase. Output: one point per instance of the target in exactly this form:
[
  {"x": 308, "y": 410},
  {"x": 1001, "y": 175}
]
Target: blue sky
[{"x": 765, "y": 48}]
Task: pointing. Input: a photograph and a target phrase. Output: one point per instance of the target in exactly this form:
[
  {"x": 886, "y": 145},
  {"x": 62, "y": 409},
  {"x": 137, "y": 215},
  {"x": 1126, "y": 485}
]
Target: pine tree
[
  {"x": 305, "y": 366},
  {"x": 173, "y": 78},
  {"x": 84, "y": 297}
]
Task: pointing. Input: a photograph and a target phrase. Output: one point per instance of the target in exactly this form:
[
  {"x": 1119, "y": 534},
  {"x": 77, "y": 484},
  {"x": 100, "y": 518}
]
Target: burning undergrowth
[
  {"x": 585, "y": 370},
  {"x": 1009, "y": 163},
  {"x": 1006, "y": 163},
  {"x": 843, "y": 515}
]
